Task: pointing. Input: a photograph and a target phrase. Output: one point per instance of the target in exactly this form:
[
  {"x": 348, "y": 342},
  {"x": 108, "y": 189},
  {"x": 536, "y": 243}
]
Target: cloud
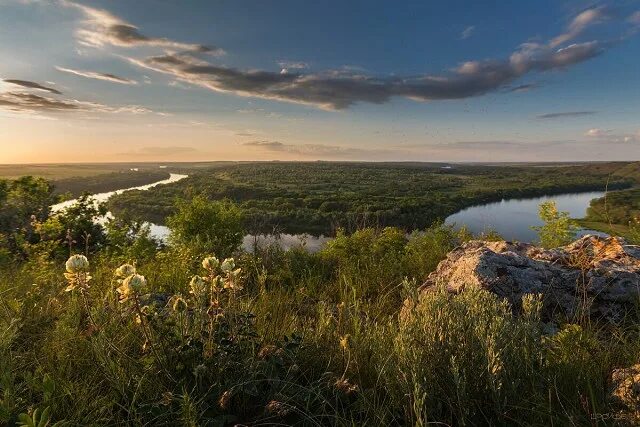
[
  {"x": 286, "y": 66},
  {"x": 33, "y": 85},
  {"x": 30, "y": 103},
  {"x": 467, "y": 32},
  {"x": 565, "y": 114},
  {"x": 580, "y": 23},
  {"x": 634, "y": 18},
  {"x": 340, "y": 89},
  {"x": 522, "y": 88},
  {"x": 98, "y": 76},
  {"x": 102, "y": 28},
  {"x": 314, "y": 151},
  {"x": 610, "y": 136},
  {"x": 160, "y": 151}
]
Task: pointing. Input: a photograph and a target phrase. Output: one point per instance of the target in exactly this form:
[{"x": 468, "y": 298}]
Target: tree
[
  {"x": 22, "y": 202},
  {"x": 205, "y": 226},
  {"x": 558, "y": 229}
]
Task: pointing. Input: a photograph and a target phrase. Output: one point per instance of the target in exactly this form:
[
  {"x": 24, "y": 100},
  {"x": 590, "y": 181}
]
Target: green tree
[
  {"x": 207, "y": 226},
  {"x": 558, "y": 229},
  {"x": 22, "y": 202}
]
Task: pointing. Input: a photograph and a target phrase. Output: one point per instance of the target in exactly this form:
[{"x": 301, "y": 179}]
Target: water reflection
[{"x": 513, "y": 218}]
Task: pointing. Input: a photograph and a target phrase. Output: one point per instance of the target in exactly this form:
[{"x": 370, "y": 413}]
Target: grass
[{"x": 310, "y": 339}]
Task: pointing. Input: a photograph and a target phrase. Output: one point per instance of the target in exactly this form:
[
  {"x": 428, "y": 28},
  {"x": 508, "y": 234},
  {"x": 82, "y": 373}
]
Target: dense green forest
[
  {"x": 320, "y": 197},
  {"x": 107, "y": 182}
]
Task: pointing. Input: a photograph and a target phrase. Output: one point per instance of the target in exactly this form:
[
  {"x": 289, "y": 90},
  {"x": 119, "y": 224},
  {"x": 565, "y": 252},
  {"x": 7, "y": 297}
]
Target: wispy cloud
[
  {"x": 580, "y": 23},
  {"x": 160, "y": 151},
  {"x": 314, "y": 151},
  {"x": 340, "y": 89},
  {"x": 565, "y": 114},
  {"x": 31, "y": 103},
  {"x": 33, "y": 85},
  {"x": 101, "y": 28},
  {"x": 608, "y": 135},
  {"x": 522, "y": 88},
  {"x": 98, "y": 76},
  {"x": 467, "y": 32}
]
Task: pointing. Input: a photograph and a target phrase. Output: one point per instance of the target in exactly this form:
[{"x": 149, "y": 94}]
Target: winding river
[{"x": 511, "y": 218}]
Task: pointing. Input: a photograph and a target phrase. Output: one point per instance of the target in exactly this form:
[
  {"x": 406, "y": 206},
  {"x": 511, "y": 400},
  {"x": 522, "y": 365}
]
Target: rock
[
  {"x": 625, "y": 393},
  {"x": 595, "y": 275}
]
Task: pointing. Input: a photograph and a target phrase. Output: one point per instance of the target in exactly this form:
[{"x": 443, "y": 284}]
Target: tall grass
[{"x": 312, "y": 339}]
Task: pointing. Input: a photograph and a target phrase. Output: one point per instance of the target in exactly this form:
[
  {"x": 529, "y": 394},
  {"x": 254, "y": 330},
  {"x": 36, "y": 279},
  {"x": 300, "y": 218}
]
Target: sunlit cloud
[
  {"x": 98, "y": 76},
  {"x": 580, "y": 23},
  {"x": 32, "y": 85},
  {"x": 101, "y": 28},
  {"x": 608, "y": 135},
  {"x": 340, "y": 89}
]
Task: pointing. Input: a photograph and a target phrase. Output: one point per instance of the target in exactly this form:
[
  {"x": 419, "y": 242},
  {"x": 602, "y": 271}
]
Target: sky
[{"x": 453, "y": 81}]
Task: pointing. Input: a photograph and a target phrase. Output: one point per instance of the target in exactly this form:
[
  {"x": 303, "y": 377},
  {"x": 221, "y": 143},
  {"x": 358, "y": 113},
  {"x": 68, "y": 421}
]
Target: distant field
[
  {"x": 59, "y": 171},
  {"x": 77, "y": 178}
]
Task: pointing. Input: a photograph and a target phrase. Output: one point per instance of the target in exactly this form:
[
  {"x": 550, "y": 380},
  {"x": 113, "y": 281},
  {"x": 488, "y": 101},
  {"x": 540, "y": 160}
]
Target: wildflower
[
  {"x": 345, "y": 342},
  {"x": 125, "y": 270},
  {"x": 197, "y": 286},
  {"x": 178, "y": 303},
  {"x": 167, "y": 397},
  {"x": 131, "y": 286},
  {"x": 199, "y": 371},
  {"x": 77, "y": 267},
  {"x": 135, "y": 282},
  {"x": 346, "y": 387},
  {"x": 228, "y": 265},
  {"x": 279, "y": 409},
  {"x": 225, "y": 399},
  {"x": 210, "y": 263},
  {"x": 269, "y": 351},
  {"x": 77, "y": 264}
]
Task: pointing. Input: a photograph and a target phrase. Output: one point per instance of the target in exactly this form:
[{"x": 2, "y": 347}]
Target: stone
[{"x": 597, "y": 276}]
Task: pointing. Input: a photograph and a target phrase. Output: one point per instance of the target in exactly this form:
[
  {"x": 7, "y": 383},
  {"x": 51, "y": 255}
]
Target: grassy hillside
[{"x": 129, "y": 336}]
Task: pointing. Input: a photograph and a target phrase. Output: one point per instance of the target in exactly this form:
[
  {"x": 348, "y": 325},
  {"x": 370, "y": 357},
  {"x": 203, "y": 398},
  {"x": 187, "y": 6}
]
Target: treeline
[
  {"x": 107, "y": 182},
  {"x": 617, "y": 207},
  {"x": 320, "y": 197}
]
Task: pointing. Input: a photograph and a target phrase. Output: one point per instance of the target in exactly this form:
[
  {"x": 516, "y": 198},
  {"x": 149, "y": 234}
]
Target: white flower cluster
[
  {"x": 77, "y": 276},
  {"x": 131, "y": 283}
]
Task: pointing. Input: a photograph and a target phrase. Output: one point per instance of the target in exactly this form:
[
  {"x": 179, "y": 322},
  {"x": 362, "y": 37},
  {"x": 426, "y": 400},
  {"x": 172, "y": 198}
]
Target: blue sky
[{"x": 367, "y": 80}]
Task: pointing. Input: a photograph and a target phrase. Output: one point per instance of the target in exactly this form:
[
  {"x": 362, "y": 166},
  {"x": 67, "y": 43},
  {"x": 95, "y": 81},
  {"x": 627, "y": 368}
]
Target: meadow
[{"x": 102, "y": 325}]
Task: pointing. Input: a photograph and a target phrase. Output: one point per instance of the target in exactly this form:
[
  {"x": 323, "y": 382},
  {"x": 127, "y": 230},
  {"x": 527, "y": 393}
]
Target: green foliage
[
  {"x": 338, "y": 337},
  {"x": 320, "y": 197},
  {"x": 207, "y": 227},
  {"x": 558, "y": 229}
]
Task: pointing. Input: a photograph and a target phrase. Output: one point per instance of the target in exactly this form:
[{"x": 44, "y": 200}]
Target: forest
[{"x": 321, "y": 197}]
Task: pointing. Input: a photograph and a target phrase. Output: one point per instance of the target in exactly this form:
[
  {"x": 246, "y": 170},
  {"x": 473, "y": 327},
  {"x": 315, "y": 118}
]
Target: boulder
[
  {"x": 625, "y": 394},
  {"x": 594, "y": 275}
]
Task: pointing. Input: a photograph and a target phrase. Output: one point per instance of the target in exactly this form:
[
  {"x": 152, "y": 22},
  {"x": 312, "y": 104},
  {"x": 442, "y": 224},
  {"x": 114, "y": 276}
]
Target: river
[{"x": 511, "y": 218}]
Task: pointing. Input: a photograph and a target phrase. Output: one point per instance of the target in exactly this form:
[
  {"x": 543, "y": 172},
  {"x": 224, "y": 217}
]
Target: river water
[{"x": 511, "y": 218}]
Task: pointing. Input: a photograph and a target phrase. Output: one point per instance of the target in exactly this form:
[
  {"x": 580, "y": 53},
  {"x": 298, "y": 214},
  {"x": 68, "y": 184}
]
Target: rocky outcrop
[
  {"x": 593, "y": 275},
  {"x": 625, "y": 394}
]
